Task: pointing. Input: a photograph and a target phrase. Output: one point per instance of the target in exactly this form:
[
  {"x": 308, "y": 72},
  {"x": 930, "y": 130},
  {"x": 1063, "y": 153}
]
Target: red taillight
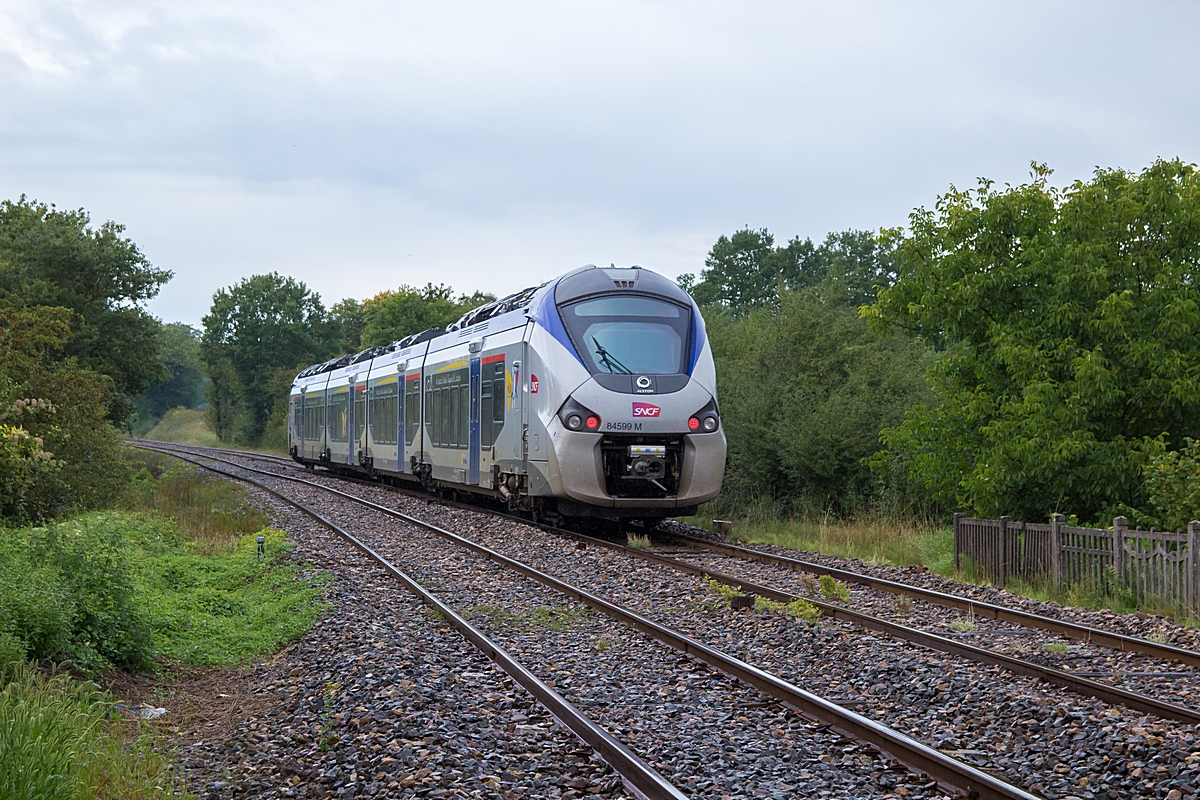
[
  {"x": 693, "y": 423},
  {"x": 592, "y": 423}
]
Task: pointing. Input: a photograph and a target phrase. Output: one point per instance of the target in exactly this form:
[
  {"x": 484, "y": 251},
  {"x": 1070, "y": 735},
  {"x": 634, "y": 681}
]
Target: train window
[
  {"x": 629, "y": 335},
  {"x": 297, "y": 417},
  {"x": 384, "y": 414},
  {"x": 454, "y": 408},
  {"x": 314, "y": 419},
  {"x": 337, "y": 414}
]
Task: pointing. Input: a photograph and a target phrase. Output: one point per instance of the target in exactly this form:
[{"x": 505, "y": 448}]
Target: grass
[
  {"x": 211, "y": 513},
  {"x": 638, "y": 541},
  {"x": 873, "y": 541},
  {"x": 59, "y": 740},
  {"x": 184, "y": 426}
]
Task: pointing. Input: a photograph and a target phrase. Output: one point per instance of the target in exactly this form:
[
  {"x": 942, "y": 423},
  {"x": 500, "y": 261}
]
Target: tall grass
[
  {"x": 184, "y": 426},
  {"x": 212, "y": 513},
  {"x": 57, "y": 740},
  {"x": 873, "y": 540}
]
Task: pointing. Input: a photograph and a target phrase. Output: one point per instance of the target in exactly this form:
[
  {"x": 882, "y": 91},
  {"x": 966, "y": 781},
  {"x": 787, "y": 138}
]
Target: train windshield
[{"x": 629, "y": 335}]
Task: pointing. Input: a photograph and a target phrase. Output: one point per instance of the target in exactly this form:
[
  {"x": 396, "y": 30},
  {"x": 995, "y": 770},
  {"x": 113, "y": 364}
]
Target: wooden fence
[{"x": 1149, "y": 564}]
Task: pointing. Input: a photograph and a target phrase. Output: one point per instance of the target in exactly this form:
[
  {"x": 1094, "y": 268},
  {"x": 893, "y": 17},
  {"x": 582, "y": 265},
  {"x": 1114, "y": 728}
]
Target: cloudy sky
[{"x": 358, "y": 146}]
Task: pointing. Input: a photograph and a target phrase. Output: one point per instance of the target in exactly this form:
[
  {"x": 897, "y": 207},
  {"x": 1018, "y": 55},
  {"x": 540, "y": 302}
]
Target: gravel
[
  {"x": 1028, "y": 733},
  {"x": 382, "y": 699},
  {"x": 708, "y": 733}
]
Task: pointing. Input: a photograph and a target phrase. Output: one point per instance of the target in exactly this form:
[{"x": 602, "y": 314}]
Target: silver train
[{"x": 593, "y": 395}]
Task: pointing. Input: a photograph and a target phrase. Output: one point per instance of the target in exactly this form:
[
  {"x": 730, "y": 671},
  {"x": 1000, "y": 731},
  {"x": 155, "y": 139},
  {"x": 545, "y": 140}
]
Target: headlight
[
  {"x": 578, "y": 417},
  {"x": 706, "y": 420}
]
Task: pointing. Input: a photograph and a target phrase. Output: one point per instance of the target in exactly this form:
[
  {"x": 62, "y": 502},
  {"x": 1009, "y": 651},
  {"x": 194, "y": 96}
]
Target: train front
[{"x": 630, "y": 414}]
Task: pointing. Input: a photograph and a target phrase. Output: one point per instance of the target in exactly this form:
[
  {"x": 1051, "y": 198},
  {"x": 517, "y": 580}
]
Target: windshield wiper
[{"x": 613, "y": 365}]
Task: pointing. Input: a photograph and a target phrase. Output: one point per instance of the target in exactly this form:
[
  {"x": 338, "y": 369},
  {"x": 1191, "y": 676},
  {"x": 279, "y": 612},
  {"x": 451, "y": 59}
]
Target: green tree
[
  {"x": 56, "y": 259},
  {"x": 393, "y": 315},
  {"x": 348, "y": 319},
  {"x": 179, "y": 351},
  {"x": 61, "y": 453},
  {"x": 263, "y": 325},
  {"x": 805, "y": 387},
  {"x": 747, "y": 271},
  {"x": 1072, "y": 325}
]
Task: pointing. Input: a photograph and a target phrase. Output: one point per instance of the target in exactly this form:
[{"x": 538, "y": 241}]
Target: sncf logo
[{"x": 646, "y": 410}]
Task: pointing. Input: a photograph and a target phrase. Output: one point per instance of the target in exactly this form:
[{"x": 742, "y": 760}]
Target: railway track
[
  {"x": 949, "y": 773},
  {"x": 637, "y": 774},
  {"x": 1082, "y": 673}
]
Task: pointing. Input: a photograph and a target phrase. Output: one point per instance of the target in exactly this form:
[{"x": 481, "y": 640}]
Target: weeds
[
  {"x": 328, "y": 695},
  {"x": 799, "y": 608},
  {"x": 809, "y": 584},
  {"x": 963, "y": 624},
  {"x": 724, "y": 590},
  {"x": 834, "y": 589},
  {"x": 903, "y": 605},
  {"x": 1056, "y": 647},
  {"x": 602, "y": 644},
  {"x": 211, "y": 512},
  {"x": 638, "y": 541}
]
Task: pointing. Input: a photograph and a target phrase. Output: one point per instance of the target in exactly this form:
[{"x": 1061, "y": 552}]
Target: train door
[
  {"x": 473, "y": 435},
  {"x": 358, "y": 423}
]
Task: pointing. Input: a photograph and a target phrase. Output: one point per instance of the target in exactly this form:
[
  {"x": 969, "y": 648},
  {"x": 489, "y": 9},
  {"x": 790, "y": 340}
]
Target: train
[{"x": 592, "y": 395}]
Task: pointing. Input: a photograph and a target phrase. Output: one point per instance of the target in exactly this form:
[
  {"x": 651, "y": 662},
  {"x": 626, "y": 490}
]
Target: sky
[{"x": 492, "y": 146}]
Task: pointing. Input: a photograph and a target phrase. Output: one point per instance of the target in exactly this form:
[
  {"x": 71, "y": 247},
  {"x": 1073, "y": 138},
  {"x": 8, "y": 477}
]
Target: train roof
[{"x": 577, "y": 283}]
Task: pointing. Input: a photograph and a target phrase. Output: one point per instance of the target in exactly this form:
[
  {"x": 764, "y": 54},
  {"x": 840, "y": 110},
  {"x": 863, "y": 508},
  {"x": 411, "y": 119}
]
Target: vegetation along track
[
  {"x": 1013, "y": 725},
  {"x": 718, "y": 736}
]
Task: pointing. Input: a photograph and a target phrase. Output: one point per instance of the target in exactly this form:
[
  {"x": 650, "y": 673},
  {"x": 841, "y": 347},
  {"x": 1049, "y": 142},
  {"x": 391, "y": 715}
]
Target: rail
[{"x": 950, "y": 773}]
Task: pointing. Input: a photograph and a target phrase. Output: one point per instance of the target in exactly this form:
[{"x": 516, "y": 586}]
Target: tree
[
  {"x": 805, "y": 387},
  {"x": 56, "y": 259},
  {"x": 348, "y": 320},
  {"x": 261, "y": 326},
  {"x": 1071, "y": 320},
  {"x": 747, "y": 271},
  {"x": 179, "y": 351},
  {"x": 59, "y": 451},
  {"x": 393, "y": 315}
]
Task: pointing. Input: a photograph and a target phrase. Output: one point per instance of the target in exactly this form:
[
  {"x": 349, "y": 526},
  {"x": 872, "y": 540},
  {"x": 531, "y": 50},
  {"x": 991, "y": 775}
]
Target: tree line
[{"x": 1022, "y": 350}]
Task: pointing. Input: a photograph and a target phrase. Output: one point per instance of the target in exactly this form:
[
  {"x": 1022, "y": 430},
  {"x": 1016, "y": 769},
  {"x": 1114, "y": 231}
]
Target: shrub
[
  {"x": 1172, "y": 483},
  {"x": 92, "y": 556},
  {"x": 36, "y": 609}
]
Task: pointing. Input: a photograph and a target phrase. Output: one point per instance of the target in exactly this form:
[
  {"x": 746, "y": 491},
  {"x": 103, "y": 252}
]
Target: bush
[
  {"x": 805, "y": 388},
  {"x": 92, "y": 554},
  {"x": 36, "y": 609},
  {"x": 1172, "y": 483}
]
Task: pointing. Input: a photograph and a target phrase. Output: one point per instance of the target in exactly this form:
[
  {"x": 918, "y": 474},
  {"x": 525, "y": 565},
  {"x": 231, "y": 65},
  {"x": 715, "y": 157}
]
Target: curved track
[{"x": 948, "y": 772}]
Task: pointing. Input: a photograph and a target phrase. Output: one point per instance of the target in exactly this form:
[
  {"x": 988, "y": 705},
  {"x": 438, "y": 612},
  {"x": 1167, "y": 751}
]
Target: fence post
[
  {"x": 958, "y": 518},
  {"x": 1004, "y": 522},
  {"x": 1056, "y": 523},
  {"x": 1192, "y": 590},
  {"x": 1120, "y": 528}
]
